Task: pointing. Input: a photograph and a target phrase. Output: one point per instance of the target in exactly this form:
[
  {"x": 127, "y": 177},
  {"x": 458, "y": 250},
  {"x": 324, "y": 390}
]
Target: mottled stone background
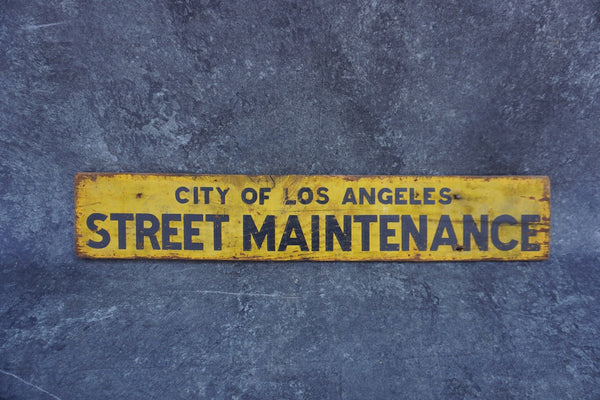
[{"x": 277, "y": 87}]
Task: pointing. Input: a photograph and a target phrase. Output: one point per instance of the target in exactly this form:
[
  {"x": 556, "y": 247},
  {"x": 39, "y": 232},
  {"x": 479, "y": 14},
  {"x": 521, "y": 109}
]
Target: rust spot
[
  {"x": 78, "y": 178},
  {"x": 545, "y": 198},
  {"x": 456, "y": 196},
  {"x": 139, "y": 195},
  {"x": 459, "y": 248}
]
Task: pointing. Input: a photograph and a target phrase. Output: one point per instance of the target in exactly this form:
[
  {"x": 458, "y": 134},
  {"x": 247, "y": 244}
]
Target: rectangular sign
[{"x": 294, "y": 217}]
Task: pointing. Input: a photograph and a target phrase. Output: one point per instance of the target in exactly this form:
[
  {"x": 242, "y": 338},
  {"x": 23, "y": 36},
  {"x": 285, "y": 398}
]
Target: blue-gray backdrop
[{"x": 277, "y": 87}]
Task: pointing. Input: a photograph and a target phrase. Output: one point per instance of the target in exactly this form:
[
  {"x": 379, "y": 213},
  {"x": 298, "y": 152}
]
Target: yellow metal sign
[{"x": 292, "y": 217}]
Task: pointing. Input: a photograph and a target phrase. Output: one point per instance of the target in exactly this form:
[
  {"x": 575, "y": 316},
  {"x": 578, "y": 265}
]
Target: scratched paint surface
[{"x": 325, "y": 218}]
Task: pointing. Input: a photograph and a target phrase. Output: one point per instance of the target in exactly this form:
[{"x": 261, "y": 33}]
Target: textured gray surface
[{"x": 431, "y": 87}]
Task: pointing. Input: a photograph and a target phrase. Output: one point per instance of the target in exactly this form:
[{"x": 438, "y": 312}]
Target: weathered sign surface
[{"x": 292, "y": 217}]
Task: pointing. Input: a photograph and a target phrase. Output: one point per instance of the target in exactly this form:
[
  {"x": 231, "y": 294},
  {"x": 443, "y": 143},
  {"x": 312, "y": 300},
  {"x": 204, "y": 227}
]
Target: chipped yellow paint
[{"x": 293, "y": 217}]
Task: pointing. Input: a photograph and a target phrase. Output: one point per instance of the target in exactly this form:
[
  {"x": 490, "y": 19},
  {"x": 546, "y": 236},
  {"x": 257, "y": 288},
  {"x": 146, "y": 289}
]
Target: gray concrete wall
[{"x": 278, "y": 87}]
